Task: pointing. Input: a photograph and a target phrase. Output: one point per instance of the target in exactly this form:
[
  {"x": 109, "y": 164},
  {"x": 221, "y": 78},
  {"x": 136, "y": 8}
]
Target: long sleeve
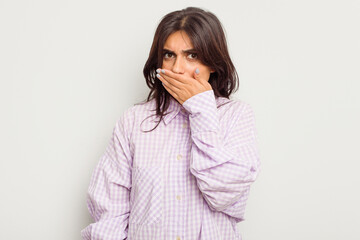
[
  {"x": 224, "y": 160},
  {"x": 108, "y": 193}
]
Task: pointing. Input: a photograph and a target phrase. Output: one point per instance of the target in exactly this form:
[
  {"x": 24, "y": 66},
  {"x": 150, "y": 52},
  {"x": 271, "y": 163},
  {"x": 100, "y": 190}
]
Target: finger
[
  {"x": 178, "y": 77},
  {"x": 174, "y": 82},
  {"x": 203, "y": 82},
  {"x": 167, "y": 83},
  {"x": 160, "y": 75},
  {"x": 197, "y": 74},
  {"x": 168, "y": 88}
]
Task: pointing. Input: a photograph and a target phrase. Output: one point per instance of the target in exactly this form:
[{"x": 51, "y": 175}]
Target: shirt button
[
  {"x": 179, "y": 157},
  {"x": 178, "y": 197},
  {"x": 178, "y": 238},
  {"x": 184, "y": 125}
]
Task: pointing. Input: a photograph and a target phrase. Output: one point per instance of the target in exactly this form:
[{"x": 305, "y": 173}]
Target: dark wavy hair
[{"x": 207, "y": 36}]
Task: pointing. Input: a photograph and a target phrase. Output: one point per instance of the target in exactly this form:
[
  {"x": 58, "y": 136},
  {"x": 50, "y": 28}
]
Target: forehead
[{"x": 178, "y": 41}]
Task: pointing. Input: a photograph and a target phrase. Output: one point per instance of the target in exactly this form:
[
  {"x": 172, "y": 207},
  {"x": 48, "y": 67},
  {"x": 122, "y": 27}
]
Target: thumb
[{"x": 197, "y": 73}]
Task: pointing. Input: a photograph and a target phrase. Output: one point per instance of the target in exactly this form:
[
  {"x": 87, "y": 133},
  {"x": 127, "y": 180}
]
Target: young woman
[{"x": 180, "y": 165}]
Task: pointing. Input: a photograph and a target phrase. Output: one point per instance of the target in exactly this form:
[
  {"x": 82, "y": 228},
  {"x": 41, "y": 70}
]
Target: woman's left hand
[{"x": 182, "y": 87}]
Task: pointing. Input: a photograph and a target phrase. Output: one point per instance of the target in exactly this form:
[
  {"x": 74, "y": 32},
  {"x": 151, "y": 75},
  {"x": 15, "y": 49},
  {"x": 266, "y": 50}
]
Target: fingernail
[
  {"x": 197, "y": 71},
  {"x": 158, "y": 75},
  {"x": 162, "y": 70},
  {"x": 158, "y": 70}
]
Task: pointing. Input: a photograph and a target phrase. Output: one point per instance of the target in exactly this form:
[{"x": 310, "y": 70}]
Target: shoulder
[
  {"x": 233, "y": 106},
  {"x": 133, "y": 114},
  {"x": 139, "y": 108}
]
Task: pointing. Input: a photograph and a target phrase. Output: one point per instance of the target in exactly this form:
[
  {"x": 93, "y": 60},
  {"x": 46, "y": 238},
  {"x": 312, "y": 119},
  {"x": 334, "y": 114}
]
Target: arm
[
  {"x": 225, "y": 163},
  {"x": 108, "y": 193}
]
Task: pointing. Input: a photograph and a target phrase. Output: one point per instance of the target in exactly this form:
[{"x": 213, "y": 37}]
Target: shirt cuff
[{"x": 203, "y": 112}]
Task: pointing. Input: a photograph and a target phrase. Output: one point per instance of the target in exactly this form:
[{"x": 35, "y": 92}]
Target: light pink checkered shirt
[{"x": 188, "y": 179}]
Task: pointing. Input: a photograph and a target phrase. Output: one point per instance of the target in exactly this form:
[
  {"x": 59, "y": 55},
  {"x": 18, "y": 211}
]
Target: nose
[{"x": 178, "y": 66}]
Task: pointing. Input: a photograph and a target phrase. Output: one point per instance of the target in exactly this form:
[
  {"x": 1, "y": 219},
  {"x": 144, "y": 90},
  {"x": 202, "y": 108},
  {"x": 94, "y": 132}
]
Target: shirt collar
[{"x": 174, "y": 108}]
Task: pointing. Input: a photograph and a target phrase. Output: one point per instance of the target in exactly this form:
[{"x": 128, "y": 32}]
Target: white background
[{"x": 69, "y": 69}]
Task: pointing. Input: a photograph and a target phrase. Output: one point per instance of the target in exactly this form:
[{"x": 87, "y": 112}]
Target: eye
[
  {"x": 168, "y": 55},
  {"x": 192, "y": 56}
]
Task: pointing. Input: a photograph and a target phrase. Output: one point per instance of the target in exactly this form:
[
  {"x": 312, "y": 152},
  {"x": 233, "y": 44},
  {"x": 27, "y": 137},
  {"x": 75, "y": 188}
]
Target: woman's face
[{"x": 180, "y": 57}]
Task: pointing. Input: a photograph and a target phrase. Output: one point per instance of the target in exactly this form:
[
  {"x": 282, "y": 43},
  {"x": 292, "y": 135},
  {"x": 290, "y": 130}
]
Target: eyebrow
[{"x": 184, "y": 51}]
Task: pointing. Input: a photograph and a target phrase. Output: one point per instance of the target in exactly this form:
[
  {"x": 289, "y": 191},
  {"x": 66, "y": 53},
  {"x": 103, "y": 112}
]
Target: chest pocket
[{"x": 146, "y": 197}]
